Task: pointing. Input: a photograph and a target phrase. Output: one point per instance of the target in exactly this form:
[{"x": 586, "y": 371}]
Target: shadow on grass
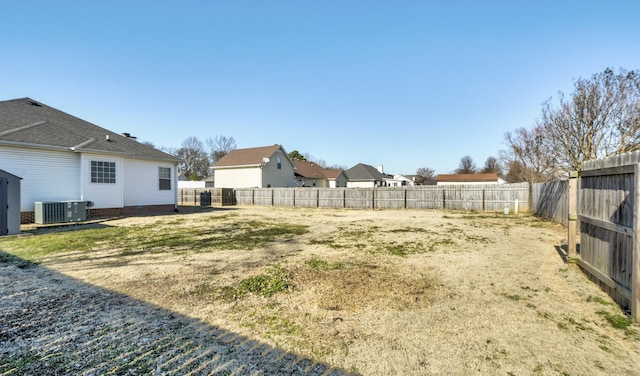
[
  {"x": 53, "y": 324},
  {"x": 188, "y": 209},
  {"x": 563, "y": 252}
]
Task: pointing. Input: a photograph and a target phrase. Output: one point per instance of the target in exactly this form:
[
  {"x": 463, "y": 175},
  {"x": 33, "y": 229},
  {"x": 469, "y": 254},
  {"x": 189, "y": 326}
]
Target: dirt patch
[
  {"x": 362, "y": 287},
  {"x": 374, "y": 292}
]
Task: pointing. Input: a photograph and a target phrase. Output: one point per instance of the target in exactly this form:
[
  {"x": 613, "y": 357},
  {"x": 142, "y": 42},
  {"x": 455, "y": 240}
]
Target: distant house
[
  {"x": 336, "y": 178},
  {"x": 262, "y": 167},
  {"x": 402, "y": 181},
  {"x": 309, "y": 174},
  {"x": 63, "y": 158},
  {"x": 365, "y": 176},
  {"x": 419, "y": 180},
  {"x": 488, "y": 178}
]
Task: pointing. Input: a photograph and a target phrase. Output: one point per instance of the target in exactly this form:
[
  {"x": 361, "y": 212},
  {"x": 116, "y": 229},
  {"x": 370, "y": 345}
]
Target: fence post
[
  {"x": 573, "y": 215},
  {"x": 344, "y": 198},
  {"x": 444, "y": 199},
  {"x": 405, "y": 198},
  {"x": 373, "y": 199},
  {"x": 635, "y": 274}
]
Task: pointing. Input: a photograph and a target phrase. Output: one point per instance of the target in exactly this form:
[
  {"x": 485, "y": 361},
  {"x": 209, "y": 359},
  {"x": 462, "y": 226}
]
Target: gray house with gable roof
[
  {"x": 62, "y": 158},
  {"x": 364, "y": 176}
]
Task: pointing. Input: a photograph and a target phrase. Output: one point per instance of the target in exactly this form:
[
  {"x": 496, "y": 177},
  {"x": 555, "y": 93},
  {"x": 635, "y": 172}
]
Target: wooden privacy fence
[
  {"x": 551, "y": 200},
  {"x": 608, "y": 210},
  {"x": 490, "y": 197},
  {"x": 219, "y": 196}
]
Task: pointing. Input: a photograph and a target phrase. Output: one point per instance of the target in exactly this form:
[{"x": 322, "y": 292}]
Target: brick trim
[{"x": 29, "y": 217}]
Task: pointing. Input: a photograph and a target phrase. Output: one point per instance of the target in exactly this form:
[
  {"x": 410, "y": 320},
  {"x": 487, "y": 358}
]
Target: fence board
[
  {"x": 608, "y": 212},
  {"x": 306, "y": 197},
  {"x": 244, "y": 196},
  {"x": 488, "y": 197},
  {"x": 331, "y": 198},
  {"x": 425, "y": 198},
  {"x": 551, "y": 200},
  {"x": 499, "y": 197},
  {"x": 219, "y": 196},
  {"x": 284, "y": 197},
  {"x": 263, "y": 197},
  {"x": 464, "y": 197},
  {"x": 358, "y": 198},
  {"x": 389, "y": 198}
]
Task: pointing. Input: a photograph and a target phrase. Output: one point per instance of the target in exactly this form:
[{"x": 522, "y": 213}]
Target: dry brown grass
[{"x": 376, "y": 292}]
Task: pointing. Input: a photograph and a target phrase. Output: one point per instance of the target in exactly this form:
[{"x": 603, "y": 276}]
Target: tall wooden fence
[
  {"x": 219, "y": 196},
  {"x": 608, "y": 212},
  {"x": 493, "y": 197},
  {"x": 551, "y": 200}
]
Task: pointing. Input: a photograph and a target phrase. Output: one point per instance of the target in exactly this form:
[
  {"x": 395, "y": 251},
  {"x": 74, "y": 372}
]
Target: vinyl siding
[
  {"x": 141, "y": 185},
  {"x": 103, "y": 195},
  {"x": 274, "y": 177},
  {"x": 247, "y": 177},
  {"x": 360, "y": 184},
  {"x": 46, "y": 175}
]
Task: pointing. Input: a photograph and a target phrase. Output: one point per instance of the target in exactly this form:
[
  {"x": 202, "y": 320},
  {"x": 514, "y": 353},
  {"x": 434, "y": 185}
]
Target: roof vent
[{"x": 34, "y": 103}]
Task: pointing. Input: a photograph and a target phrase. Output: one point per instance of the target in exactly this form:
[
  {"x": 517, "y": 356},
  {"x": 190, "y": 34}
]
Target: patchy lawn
[{"x": 306, "y": 291}]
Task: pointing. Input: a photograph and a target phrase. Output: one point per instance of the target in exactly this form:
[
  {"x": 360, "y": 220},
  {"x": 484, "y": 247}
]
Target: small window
[
  {"x": 164, "y": 181},
  {"x": 103, "y": 172},
  {"x": 279, "y": 163}
]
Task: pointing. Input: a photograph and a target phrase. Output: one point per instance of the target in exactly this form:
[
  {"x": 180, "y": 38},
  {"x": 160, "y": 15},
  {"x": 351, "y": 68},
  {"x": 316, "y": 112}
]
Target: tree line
[
  {"x": 196, "y": 157},
  {"x": 599, "y": 118}
]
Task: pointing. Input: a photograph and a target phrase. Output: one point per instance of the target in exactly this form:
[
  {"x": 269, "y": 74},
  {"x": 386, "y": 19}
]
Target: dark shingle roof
[
  {"x": 27, "y": 122},
  {"x": 363, "y": 172}
]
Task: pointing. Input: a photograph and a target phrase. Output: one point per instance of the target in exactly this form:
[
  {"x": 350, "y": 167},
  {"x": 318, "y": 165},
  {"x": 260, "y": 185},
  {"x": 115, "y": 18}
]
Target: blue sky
[{"x": 406, "y": 84}]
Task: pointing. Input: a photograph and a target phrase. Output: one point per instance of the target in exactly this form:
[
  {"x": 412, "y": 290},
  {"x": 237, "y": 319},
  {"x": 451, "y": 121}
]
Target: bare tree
[
  {"x": 530, "y": 156},
  {"x": 194, "y": 161},
  {"x": 600, "y": 118},
  {"x": 516, "y": 172},
  {"x": 424, "y": 174},
  {"x": 220, "y": 146},
  {"x": 492, "y": 165},
  {"x": 467, "y": 166}
]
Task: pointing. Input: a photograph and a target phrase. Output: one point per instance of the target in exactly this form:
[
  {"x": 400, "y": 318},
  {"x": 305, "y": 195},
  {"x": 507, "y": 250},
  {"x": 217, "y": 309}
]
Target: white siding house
[
  {"x": 47, "y": 175},
  {"x": 261, "y": 167},
  {"x": 63, "y": 158}
]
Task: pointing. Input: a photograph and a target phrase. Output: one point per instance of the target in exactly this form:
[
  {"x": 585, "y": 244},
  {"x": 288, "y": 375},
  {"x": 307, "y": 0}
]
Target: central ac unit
[{"x": 63, "y": 211}]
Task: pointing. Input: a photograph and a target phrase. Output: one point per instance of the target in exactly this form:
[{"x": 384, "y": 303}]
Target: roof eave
[
  {"x": 34, "y": 146},
  {"x": 236, "y": 166},
  {"x": 81, "y": 150},
  {"x": 123, "y": 153}
]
